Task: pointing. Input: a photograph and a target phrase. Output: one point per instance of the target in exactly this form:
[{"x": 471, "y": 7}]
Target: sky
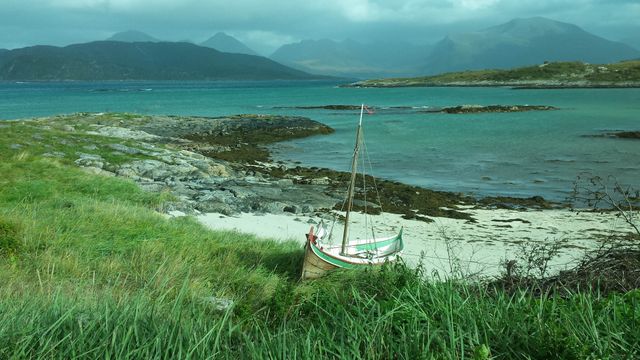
[{"x": 264, "y": 25}]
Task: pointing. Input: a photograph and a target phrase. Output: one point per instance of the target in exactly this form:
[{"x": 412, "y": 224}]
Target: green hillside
[
  {"x": 557, "y": 74},
  {"x": 113, "y": 60}
]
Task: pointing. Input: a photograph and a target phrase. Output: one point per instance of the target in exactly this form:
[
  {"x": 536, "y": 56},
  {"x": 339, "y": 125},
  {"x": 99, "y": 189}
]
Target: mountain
[
  {"x": 350, "y": 58},
  {"x": 225, "y": 43},
  {"x": 523, "y": 42},
  {"x": 634, "y": 42},
  {"x": 132, "y": 36},
  {"x": 113, "y": 60}
]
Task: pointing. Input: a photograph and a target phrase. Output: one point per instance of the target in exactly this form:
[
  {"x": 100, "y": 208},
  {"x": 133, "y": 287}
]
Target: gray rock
[
  {"x": 54, "y": 154},
  {"x": 68, "y": 128},
  {"x": 254, "y": 179},
  {"x": 148, "y": 146},
  {"x": 167, "y": 159},
  {"x": 307, "y": 208},
  {"x": 184, "y": 170},
  {"x": 206, "y": 183},
  {"x": 128, "y": 172},
  {"x": 218, "y": 170},
  {"x": 223, "y": 196},
  {"x": 153, "y": 169},
  {"x": 273, "y": 207},
  {"x": 193, "y": 155},
  {"x": 123, "y": 133},
  {"x": 214, "y": 207},
  {"x": 176, "y": 213},
  {"x": 89, "y": 160},
  {"x": 124, "y": 149},
  {"x": 90, "y": 147},
  {"x": 183, "y": 189},
  {"x": 294, "y": 209},
  {"x": 241, "y": 192},
  {"x": 152, "y": 187},
  {"x": 285, "y": 182},
  {"x": 97, "y": 171},
  {"x": 15, "y": 146},
  {"x": 320, "y": 181}
]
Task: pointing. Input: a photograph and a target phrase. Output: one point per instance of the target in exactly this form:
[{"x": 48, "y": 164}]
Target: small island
[
  {"x": 627, "y": 135},
  {"x": 458, "y": 109},
  {"x": 552, "y": 75},
  {"x": 475, "y": 109}
]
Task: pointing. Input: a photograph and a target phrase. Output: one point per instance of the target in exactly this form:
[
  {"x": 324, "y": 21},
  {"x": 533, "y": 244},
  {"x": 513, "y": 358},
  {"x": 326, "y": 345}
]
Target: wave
[{"x": 120, "y": 90}]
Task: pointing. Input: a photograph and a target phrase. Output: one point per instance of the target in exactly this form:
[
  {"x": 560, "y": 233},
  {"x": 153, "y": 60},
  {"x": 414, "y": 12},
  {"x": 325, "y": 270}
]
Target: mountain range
[
  {"x": 136, "y": 55},
  {"x": 350, "y": 58},
  {"x": 117, "y": 60},
  {"x": 523, "y": 42}
]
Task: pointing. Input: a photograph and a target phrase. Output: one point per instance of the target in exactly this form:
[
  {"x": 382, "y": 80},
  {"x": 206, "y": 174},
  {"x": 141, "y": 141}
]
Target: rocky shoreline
[
  {"x": 474, "y": 109},
  {"x": 222, "y": 165},
  {"x": 629, "y": 135},
  {"x": 460, "y": 109}
]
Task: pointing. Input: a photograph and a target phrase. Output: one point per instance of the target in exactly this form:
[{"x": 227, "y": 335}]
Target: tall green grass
[{"x": 94, "y": 271}]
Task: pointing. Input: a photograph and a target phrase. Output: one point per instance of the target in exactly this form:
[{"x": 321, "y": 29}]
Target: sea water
[{"x": 514, "y": 154}]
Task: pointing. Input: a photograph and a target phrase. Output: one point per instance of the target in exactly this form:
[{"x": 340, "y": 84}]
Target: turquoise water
[{"x": 524, "y": 154}]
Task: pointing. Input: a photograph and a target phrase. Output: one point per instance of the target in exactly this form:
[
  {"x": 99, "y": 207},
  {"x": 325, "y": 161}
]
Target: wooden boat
[{"x": 321, "y": 257}]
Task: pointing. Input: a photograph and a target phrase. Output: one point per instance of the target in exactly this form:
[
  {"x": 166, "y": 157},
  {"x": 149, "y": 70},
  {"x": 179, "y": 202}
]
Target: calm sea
[{"x": 522, "y": 154}]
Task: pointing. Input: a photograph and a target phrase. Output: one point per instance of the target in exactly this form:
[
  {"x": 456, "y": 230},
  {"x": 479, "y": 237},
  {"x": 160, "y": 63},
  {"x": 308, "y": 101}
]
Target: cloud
[{"x": 267, "y": 23}]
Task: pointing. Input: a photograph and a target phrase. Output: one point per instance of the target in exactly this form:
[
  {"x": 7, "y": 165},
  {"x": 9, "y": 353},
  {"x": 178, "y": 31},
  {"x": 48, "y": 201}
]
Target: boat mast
[{"x": 354, "y": 163}]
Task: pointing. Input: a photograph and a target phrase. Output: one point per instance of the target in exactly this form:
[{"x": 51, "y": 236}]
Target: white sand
[{"x": 474, "y": 248}]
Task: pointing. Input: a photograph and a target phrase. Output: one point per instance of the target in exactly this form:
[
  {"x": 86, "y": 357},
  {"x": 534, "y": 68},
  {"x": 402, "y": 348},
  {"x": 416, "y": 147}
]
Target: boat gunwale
[{"x": 388, "y": 257}]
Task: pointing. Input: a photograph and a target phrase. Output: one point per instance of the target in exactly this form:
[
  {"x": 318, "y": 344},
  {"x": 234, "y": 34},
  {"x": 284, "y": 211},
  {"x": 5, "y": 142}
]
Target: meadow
[{"x": 91, "y": 268}]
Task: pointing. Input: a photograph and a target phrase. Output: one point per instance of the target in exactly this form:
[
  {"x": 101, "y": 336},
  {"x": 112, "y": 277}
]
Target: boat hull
[
  {"x": 313, "y": 266},
  {"x": 318, "y": 260}
]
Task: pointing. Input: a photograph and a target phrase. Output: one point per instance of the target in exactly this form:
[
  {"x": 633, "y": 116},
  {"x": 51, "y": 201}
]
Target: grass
[
  {"x": 93, "y": 271},
  {"x": 564, "y": 72}
]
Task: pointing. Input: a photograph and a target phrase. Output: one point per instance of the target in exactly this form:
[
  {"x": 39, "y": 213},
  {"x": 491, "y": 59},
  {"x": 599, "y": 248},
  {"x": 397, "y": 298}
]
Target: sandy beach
[{"x": 452, "y": 245}]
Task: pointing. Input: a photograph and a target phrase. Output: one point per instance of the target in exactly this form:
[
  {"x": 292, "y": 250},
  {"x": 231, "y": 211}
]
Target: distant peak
[
  {"x": 221, "y": 34},
  {"x": 226, "y": 43},
  {"x": 132, "y": 36}
]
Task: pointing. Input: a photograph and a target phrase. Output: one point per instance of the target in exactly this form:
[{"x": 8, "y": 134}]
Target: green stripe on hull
[
  {"x": 376, "y": 245},
  {"x": 331, "y": 260}
]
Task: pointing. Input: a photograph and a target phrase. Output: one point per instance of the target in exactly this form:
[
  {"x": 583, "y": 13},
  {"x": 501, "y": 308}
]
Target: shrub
[{"x": 10, "y": 235}]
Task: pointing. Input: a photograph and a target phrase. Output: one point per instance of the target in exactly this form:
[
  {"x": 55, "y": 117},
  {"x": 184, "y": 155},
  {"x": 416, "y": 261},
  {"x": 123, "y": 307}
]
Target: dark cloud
[{"x": 265, "y": 25}]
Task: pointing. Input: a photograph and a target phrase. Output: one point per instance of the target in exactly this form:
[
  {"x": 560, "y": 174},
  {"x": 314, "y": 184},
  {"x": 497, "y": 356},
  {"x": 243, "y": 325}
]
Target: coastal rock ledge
[{"x": 164, "y": 154}]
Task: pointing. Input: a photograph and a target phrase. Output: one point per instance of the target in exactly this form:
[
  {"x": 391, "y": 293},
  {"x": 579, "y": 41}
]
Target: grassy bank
[
  {"x": 89, "y": 268},
  {"x": 554, "y": 74}
]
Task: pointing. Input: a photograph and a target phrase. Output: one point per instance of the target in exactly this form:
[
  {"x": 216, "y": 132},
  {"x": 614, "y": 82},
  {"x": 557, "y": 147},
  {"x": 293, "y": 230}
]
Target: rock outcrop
[{"x": 165, "y": 154}]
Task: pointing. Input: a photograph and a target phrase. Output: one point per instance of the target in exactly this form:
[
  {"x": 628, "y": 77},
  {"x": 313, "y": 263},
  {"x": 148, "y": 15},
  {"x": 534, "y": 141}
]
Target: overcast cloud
[{"x": 266, "y": 24}]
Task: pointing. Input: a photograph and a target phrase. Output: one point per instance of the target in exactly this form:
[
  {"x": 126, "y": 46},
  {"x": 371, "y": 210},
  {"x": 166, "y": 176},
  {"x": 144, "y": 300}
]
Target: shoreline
[
  {"x": 270, "y": 200},
  {"x": 513, "y": 86},
  {"x": 549, "y": 75},
  {"x": 448, "y": 245},
  {"x": 223, "y": 164}
]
